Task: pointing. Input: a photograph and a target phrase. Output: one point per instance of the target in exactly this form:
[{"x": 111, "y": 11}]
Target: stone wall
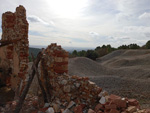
[{"x": 15, "y": 56}]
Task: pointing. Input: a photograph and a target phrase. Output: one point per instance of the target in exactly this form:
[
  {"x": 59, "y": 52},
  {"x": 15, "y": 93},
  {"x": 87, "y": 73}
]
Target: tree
[
  {"x": 75, "y": 53},
  {"x": 91, "y": 54},
  {"x": 147, "y": 45},
  {"x": 97, "y": 48},
  {"x": 133, "y": 46},
  {"x": 82, "y": 53},
  {"x": 104, "y": 47},
  {"x": 109, "y": 49},
  {"x": 123, "y": 47}
]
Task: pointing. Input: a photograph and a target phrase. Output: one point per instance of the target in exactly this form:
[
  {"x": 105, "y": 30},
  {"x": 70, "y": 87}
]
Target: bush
[
  {"x": 147, "y": 45},
  {"x": 91, "y": 54}
]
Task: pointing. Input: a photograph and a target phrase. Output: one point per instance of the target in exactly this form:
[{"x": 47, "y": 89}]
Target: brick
[
  {"x": 8, "y": 81},
  {"x": 10, "y": 48},
  {"x": 111, "y": 106},
  {"x": 113, "y": 97},
  {"x": 99, "y": 107},
  {"x": 131, "y": 109},
  {"x": 133, "y": 102},
  {"x": 61, "y": 71},
  {"x": 78, "y": 109},
  {"x": 147, "y": 111},
  {"x": 120, "y": 103},
  {"x": 91, "y": 111},
  {"x": 21, "y": 75},
  {"x": 61, "y": 63},
  {"x": 114, "y": 111}
]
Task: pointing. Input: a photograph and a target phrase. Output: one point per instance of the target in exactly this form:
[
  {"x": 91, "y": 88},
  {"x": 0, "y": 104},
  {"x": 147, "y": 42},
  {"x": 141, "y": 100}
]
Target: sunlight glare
[{"x": 68, "y": 8}]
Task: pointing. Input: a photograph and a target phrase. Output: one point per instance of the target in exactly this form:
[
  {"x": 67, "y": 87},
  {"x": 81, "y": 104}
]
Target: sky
[{"x": 84, "y": 23}]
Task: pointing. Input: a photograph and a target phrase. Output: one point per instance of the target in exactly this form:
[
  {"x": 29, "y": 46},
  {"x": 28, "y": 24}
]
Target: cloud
[
  {"x": 36, "y": 33},
  {"x": 121, "y": 17},
  {"x": 94, "y": 34},
  {"x": 136, "y": 29},
  {"x": 33, "y": 19},
  {"x": 79, "y": 40},
  {"x": 133, "y": 6},
  {"x": 114, "y": 22},
  {"x": 131, "y": 11},
  {"x": 145, "y": 16},
  {"x": 125, "y": 38},
  {"x": 96, "y": 7},
  {"x": 147, "y": 34}
]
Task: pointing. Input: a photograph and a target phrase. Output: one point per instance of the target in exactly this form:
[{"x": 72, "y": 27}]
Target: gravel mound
[
  {"x": 122, "y": 72},
  {"x": 83, "y": 66}
]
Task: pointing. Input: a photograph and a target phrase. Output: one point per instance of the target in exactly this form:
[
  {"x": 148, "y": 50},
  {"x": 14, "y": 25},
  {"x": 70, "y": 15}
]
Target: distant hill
[
  {"x": 35, "y": 51},
  {"x": 69, "y": 49},
  {"x": 123, "y": 63}
]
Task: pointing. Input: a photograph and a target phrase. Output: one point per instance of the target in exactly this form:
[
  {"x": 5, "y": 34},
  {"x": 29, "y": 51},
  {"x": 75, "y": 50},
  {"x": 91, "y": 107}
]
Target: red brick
[
  {"x": 43, "y": 109},
  {"x": 62, "y": 55},
  {"x": 61, "y": 63},
  {"x": 99, "y": 107},
  {"x": 10, "y": 48},
  {"x": 106, "y": 111},
  {"x": 83, "y": 106},
  {"x": 78, "y": 109},
  {"x": 113, "y": 97},
  {"x": 91, "y": 111},
  {"x": 85, "y": 78},
  {"x": 120, "y": 103},
  {"x": 110, "y": 106},
  {"x": 21, "y": 75},
  {"x": 133, "y": 102},
  {"x": 8, "y": 79},
  {"x": 24, "y": 55},
  {"x": 9, "y": 55},
  {"x": 34, "y": 111},
  {"x": 114, "y": 111},
  {"x": 99, "y": 90},
  {"x": 60, "y": 71},
  {"x": 147, "y": 110}
]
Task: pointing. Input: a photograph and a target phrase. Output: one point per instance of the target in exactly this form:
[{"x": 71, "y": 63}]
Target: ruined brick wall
[
  {"x": 15, "y": 56},
  {"x": 55, "y": 59},
  {"x": 54, "y": 69}
]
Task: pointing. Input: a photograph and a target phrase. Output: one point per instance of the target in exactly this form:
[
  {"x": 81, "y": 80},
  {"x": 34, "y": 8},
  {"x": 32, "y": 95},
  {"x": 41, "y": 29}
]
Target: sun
[{"x": 68, "y": 8}]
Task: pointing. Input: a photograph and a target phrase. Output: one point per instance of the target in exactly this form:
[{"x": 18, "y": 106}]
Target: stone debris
[
  {"x": 66, "y": 94},
  {"x": 50, "y": 110},
  {"x": 102, "y": 100},
  {"x": 31, "y": 105}
]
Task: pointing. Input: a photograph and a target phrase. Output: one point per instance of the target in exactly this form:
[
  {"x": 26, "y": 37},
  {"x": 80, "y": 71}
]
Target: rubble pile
[{"x": 105, "y": 104}]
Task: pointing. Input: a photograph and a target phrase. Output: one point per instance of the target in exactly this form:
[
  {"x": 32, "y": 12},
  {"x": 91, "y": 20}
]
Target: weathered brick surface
[{"x": 15, "y": 26}]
